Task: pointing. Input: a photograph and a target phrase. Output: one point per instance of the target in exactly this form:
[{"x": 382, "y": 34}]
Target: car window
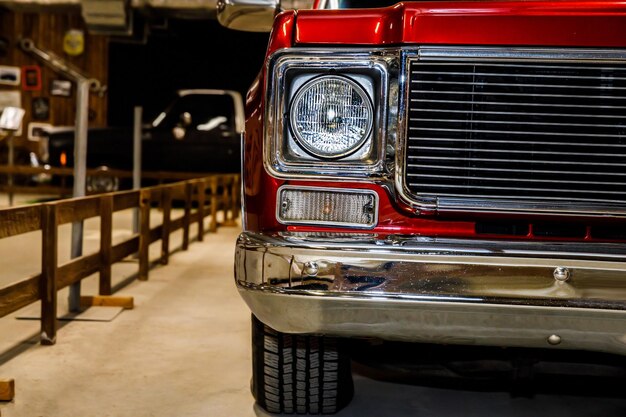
[{"x": 202, "y": 112}]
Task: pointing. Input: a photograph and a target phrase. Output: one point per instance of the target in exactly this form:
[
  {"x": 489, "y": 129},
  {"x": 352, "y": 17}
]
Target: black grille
[{"x": 532, "y": 132}]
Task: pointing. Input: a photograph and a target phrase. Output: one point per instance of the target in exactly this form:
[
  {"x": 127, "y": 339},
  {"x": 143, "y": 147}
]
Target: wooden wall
[{"x": 47, "y": 31}]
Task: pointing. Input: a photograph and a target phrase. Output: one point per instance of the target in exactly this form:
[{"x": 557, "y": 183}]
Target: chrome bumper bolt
[
  {"x": 310, "y": 268},
  {"x": 561, "y": 274},
  {"x": 554, "y": 340}
]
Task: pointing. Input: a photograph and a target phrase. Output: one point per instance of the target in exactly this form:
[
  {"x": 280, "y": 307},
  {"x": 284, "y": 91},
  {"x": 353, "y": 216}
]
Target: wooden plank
[
  {"x": 18, "y": 295},
  {"x": 48, "y": 282},
  {"x": 123, "y": 200},
  {"x": 225, "y": 199},
  {"x": 65, "y": 173},
  {"x": 111, "y": 172},
  {"x": 201, "y": 201},
  {"x": 214, "y": 187},
  {"x": 230, "y": 207},
  {"x": 144, "y": 234},
  {"x": 187, "y": 212},
  {"x": 59, "y": 171},
  {"x": 106, "y": 231},
  {"x": 194, "y": 216},
  {"x": 172, "y": 175},
  {"x": 236, "y": 192},
  {"x": 123, "y": 249},
  {"x": 7, "y": 389},
  {"x": 78, "y": 209},
  {"x": 107, "y": 301},
  {"x": 77, "y": 269},
  {"x": 155, "y": 233},
  {"x": 178, "y": 191},
  {"x": 28, "y": 170},
  {"x": 176, "y": 224},
  {"x": 166, "y": 204},
  {"x": 38, "y": 189},
  {"x": 15, "y": 221},
  {"x": 156, "y": 194}
]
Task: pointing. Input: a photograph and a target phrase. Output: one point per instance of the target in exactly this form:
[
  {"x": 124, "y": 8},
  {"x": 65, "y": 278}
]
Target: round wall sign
[{"x": 74, "y": 42}]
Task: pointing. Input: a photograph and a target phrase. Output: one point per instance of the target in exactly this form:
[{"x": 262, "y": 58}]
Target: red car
[{"x": 447, "y": 173}]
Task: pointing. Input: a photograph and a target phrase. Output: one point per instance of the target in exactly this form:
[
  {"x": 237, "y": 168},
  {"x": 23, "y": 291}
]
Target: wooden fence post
[
  {"x": 144, "y": 234},
  {"x": 214, "y": 187},
  {"x": 225, "y": 199},
  {"x": 229, "y": 203},
  {"x": 236, "y": 191},
  {"x": 166, "y": 203},
  {"x": 106, "y": 241},
  {"x": 201, "y": 198},
  {"x": 48, "y": 283},
  {"x": 187, "y": 214}
]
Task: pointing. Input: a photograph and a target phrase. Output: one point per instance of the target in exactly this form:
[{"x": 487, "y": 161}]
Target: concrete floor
[{"x": 185, "y": 351}]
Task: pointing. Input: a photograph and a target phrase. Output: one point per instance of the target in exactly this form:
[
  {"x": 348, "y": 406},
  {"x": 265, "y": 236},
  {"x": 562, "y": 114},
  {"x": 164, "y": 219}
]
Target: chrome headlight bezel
[{"x": 288, "y": 71}]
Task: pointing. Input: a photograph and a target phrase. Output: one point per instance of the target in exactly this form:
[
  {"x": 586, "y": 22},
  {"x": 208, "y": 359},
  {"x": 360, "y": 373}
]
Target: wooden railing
[
  {"x": 201, "y": 198},
  {"x": 62, "y": 187}
]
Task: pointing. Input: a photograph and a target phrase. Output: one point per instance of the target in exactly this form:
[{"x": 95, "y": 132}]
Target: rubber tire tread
[{"x": 299, "y": 373}]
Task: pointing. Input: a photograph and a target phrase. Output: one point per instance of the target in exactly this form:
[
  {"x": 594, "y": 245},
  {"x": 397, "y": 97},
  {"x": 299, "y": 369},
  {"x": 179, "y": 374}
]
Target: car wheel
[
  {"x": 102, "y": 183},
  {"x": 299, "y": 373}
]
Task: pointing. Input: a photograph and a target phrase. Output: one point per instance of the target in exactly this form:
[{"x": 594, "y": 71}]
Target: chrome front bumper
[{"x": 570, "y": 296}]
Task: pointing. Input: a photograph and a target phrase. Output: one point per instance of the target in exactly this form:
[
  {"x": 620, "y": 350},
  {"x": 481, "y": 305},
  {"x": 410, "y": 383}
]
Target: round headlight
[{"x": 331, "y": 116}]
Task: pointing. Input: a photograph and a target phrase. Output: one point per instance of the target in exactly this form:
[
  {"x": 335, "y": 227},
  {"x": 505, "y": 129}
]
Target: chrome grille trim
[
  {"x": 479, "y": 146},
  {"x": 441, "y": 148},
  {"x": 488, "y": 93},
  {"x": 513, "y": 179},
  {"x": 421, "y": 119},
  {"x": 516, "y": 75},
  {"x": 500, "y": 56},
  {"x": 517, "y": 170},
  {"x": 522, "y": 142},
  {"x": 503, "y": 103},
  {"x": 514, "y": 132},
  {"x": 489, "y": 84},
  {"x": 516, "y": 160},
  {"x": 413, "y": 109}
]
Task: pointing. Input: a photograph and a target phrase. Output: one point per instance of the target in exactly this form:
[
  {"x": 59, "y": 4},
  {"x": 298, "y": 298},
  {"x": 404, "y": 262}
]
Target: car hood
[{"x": 554, "y": 23}]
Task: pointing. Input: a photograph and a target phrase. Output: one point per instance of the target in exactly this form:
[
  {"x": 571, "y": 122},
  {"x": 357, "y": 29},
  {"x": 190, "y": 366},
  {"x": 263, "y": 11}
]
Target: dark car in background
[{"x": 199, "y": 131}]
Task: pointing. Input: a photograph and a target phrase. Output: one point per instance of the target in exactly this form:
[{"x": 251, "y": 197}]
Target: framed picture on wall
[
  {"x": 11, "y": 119},
  {"x": 31, "y": 78},
  {"x": 10, "y": 75},
  {"x": 36, "y": 131},
  {"x": 61, "y": 88},
  {"x": 40, "y": 108},
  {"x": 11, "y": 98}
]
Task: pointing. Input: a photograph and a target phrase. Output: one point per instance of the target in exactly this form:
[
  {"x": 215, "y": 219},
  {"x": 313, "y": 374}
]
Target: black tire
[
  {"x": 299, "y": 373},
  {"x": 102, "y": 183}
]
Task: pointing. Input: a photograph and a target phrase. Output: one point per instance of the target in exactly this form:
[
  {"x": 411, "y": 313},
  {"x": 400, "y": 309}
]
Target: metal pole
[
  {"x": 136, "y": 161},
  {"x": 80, "y": 174},
  {"x": 83, "y": 85},
  {"x": 11, "y": 159}
]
